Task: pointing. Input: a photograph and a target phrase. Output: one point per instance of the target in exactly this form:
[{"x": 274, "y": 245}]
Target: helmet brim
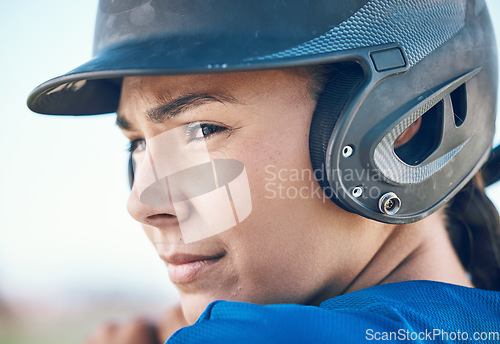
[{"x": 94, "y": 87}]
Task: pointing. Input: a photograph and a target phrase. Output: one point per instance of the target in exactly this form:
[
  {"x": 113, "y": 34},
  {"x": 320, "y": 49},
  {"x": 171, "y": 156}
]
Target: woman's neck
[{"x": 417, "y": 251}]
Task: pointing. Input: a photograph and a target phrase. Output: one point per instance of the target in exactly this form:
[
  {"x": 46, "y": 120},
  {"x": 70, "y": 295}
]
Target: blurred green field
[{"x": 60, "y": 324}]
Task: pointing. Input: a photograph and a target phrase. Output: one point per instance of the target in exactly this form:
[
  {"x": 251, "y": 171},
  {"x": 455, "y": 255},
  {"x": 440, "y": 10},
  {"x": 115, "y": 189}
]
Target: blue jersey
[{"x": 406, "y": 312}]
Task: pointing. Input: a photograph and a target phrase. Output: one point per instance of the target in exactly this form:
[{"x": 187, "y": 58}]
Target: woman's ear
[{"x": 408, "y": 133}]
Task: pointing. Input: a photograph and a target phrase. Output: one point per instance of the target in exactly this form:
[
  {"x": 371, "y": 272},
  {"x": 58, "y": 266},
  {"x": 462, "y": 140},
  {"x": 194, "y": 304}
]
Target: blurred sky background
[
  {"x": 66, "y": 239},
  {"x": 65, "y": 236}
]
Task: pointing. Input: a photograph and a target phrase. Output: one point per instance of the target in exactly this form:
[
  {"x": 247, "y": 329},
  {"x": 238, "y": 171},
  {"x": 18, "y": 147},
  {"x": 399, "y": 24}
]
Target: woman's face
[{"x": 296, "y": 245}]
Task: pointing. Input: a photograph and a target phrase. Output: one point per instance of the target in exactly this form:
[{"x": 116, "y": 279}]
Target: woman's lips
[{"x": 186, "y": 268}]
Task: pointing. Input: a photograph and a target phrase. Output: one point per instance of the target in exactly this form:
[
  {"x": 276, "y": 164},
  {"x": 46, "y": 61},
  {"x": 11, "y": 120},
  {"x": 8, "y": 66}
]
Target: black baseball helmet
[{"x": 391, "y": 63}]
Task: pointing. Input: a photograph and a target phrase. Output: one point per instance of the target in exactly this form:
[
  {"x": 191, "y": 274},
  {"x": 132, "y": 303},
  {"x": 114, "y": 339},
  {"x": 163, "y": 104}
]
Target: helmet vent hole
[
  {"x": 426, "y": 140},
  {"x": 459, "y": 103}
]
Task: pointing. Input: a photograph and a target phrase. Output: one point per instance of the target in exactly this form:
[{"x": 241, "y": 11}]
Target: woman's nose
[{"x": 155, "y": 208}]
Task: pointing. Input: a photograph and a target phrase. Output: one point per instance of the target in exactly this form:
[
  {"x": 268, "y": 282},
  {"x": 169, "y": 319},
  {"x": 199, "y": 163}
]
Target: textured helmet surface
[{"x": 393, "y": 62}]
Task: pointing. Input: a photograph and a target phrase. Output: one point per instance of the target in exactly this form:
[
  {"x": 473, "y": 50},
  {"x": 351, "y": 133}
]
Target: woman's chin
[{"x": 194, "y": 305}]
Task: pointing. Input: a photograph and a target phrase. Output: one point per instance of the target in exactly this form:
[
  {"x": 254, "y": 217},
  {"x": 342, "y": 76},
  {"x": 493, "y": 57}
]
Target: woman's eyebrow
[
  {"x": 179, "y": 105},
  {"x": 175, "y": 107},
  {"x": 123, "y": 124}
]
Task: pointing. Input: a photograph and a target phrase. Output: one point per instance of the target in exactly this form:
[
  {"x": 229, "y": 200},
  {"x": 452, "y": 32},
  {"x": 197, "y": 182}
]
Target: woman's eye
[
  {"x": 137, "y": 145},
  {"x": 199, "y": 131}
]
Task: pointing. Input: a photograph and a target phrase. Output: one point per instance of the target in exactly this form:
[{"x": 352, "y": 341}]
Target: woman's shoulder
[
  {"x": 422, "y": 310},
  {"x": 418, "y": 296}
]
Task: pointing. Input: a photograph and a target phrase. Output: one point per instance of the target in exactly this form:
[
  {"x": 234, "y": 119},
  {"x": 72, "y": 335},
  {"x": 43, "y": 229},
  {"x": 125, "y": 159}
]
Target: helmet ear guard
[
  {"x": 365, "y": 174},
  {"x": 363, "y": 111}
]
